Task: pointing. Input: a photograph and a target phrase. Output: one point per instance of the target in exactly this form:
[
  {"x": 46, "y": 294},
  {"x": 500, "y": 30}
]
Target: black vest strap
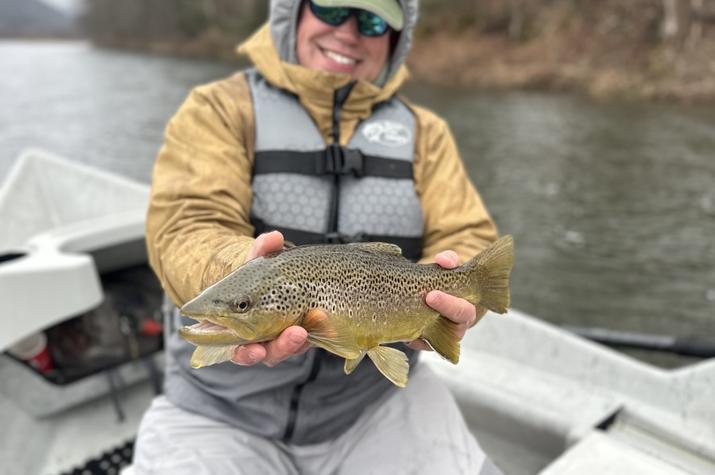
[
  {"x": 333, "y": 160},
  {"x": 411, "y": 246}
]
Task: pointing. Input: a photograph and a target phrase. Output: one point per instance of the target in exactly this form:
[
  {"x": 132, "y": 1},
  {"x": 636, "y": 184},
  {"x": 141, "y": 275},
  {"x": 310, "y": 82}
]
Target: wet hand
[
  {"x": 292, "y": 341},
  {"x": 454, "y": 308}
]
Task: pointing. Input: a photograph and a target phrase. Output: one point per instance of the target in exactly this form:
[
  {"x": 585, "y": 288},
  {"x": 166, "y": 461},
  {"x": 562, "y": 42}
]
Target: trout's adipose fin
[
  {"x": 329, "y": 334},
  {"x": 490, "y": 273},
  {"x": 442, "y": 337},
  {"x": 208, "y": 355},
  {"x": 392, "y": 363},
  {"x": 350, "y": 365}
]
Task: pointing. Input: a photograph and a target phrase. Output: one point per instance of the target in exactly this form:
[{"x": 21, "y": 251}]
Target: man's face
[{"x": 340, "y": 49}]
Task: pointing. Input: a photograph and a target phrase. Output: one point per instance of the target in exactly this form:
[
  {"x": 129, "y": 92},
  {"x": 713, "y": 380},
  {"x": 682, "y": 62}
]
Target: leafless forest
[{"x": 643, "y": 48}]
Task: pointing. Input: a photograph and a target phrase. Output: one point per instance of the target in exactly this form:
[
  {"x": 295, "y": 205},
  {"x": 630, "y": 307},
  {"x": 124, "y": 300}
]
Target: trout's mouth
[
  {"x": 209, "y": 332},
  {"x": 205, "y": 326},
  {"x": 216, "y": 331}
]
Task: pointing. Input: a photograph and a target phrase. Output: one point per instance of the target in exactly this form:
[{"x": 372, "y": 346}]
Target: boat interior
[{"x": 539, "y": 399}]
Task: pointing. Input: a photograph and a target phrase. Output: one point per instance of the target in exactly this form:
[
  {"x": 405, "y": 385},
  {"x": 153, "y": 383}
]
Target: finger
[
  {"x": 288, "y": 343},
  {"x": 306, "y": 346},
  {"x": 419, "y": 345},
  {"x": 454, "y": 308},
  {"x": 461, "y": 330},
  {"x": 265, "y": 243},
  {"x": 447, "y": 259},
  {"x": 248, "y": 355}
]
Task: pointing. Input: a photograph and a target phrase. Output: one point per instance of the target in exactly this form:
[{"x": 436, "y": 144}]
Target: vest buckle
[{"x": 341, "y": 161}]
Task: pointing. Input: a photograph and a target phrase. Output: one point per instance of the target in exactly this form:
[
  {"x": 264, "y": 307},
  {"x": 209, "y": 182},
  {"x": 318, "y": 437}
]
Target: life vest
[{"x": 315, "y": 192}]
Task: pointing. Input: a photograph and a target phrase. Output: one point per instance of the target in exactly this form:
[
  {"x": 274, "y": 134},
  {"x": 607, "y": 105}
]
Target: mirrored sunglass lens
[
  {"x": 331, "y": 16},
  {"x": 370, "y": 24}
]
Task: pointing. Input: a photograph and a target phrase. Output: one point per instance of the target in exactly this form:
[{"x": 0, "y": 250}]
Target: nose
[{"x": 348, "y": 31}]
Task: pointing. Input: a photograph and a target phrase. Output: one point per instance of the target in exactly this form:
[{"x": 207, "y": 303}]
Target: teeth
[
  {"x": 339, "y": 58},
  {"x": 206, "y": 326}
]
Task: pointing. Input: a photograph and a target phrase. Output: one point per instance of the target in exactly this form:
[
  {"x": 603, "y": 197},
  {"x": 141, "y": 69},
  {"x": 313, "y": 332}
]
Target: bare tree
[
  {"x": 517, "y": 19},
  {"x": 670, "y": 26}
]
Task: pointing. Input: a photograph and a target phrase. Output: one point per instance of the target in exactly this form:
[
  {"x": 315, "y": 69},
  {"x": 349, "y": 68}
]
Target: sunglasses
[{"x": 368, "y": 23}]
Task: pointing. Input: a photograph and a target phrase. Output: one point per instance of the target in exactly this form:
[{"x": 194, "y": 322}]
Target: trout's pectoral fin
[
  {"x": 351, "y": 364},
  {"x": 329, "y": 334},
  {"x": 392, "y": 363},
  {"x": 442, "y": 337},
  {"x": 208, "y": 355}
]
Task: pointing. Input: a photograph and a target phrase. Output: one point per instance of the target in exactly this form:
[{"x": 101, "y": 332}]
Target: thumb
[{"x": 265, "y": 243}]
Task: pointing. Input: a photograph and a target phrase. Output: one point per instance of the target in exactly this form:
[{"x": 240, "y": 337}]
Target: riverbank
[
  {"x": 640, "y": 49},
  {"x": 633, "y": 50},
  {"x": 568, "y": 62}
]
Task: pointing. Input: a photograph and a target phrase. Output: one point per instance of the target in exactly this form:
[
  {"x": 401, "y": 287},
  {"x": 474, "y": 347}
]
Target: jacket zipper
[
  {"x": 295, "y": 398},
  {"x": 339, "y": 98}
]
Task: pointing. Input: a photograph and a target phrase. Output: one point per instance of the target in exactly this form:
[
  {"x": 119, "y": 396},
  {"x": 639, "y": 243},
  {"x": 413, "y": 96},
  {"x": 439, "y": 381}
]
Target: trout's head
[{"x": 255, "y": 302}]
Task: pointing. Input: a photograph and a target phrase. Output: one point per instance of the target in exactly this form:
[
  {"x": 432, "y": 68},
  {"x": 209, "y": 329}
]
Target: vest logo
[{"x": 387, "y": 132}]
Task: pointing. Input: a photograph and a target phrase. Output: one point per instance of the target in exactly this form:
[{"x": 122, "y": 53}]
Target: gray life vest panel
[
  {"x": 298, "y": 178},
  {"x": 308, "y": 398}
]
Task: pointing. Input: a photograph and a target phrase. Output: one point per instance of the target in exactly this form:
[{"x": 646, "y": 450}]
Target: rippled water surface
[{"x": 612, "y": 205}]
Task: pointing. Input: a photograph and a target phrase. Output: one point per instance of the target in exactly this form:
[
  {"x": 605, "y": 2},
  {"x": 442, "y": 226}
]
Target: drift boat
[{"x": 539, "y": 399}]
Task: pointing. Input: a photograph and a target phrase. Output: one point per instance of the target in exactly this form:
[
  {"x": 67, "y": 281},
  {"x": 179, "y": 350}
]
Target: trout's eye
[{"x": 240, "y": 305}]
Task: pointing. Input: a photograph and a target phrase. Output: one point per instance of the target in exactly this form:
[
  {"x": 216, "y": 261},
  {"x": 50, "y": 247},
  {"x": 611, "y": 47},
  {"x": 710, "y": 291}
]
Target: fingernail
[
  {"x": 296, "y": 338},
  {"x": 252, "y": 356}
]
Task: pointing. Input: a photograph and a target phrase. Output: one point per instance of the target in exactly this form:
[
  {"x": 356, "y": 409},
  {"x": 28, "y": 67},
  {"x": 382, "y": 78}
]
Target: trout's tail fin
[{"x": 489, "y": 274}]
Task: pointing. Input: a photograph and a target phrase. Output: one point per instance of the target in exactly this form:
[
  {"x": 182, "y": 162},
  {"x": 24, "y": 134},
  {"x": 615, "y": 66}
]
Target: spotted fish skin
[{"x": 351, "y": 298}]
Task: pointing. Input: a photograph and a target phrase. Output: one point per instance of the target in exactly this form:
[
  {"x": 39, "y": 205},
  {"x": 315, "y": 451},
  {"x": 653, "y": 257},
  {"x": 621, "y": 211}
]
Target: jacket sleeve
[
  {"x": 454, "y": 216},
  {"x": 198, "y": 227}
]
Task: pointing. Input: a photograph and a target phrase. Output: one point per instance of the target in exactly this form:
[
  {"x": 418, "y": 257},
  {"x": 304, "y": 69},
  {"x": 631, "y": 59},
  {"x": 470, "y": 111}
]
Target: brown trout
[{"x": 350, "y": 298}]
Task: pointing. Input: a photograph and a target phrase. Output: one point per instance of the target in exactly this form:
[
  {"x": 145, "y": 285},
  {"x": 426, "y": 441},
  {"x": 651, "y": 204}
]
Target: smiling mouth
[{"x": 339, "y": 58}]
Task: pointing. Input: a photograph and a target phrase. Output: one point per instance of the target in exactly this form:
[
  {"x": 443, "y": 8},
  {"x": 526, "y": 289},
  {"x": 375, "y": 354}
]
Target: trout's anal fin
[
  {"x": 392, "y": 363},
  {"x": 441, "y": 335},
  {"x": 351, "y": 364},
  {"x": 329, "y": 334},
  {"x": 209, "y": 355}
]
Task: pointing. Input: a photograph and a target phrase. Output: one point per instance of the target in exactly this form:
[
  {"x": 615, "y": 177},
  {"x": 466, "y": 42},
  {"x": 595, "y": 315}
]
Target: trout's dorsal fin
[
  {"x": 329, "y": 334},
  {"x": 350, "y": 365},
  {"x": 392, "y": 363},
  {"x": 208, "y": 355},
  {"x": 378, "y": 247},
  {"x": 441, "y": 335}
]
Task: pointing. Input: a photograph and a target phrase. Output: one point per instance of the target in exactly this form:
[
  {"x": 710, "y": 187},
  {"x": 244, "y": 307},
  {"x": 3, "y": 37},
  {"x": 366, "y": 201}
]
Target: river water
[{"x": 612, "y": 205}]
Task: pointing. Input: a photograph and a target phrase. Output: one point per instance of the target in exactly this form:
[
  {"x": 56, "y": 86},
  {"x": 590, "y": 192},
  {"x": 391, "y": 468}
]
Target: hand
[
  {"x": 456, "y": 309},
  {"x": 292, "y": 341}
]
